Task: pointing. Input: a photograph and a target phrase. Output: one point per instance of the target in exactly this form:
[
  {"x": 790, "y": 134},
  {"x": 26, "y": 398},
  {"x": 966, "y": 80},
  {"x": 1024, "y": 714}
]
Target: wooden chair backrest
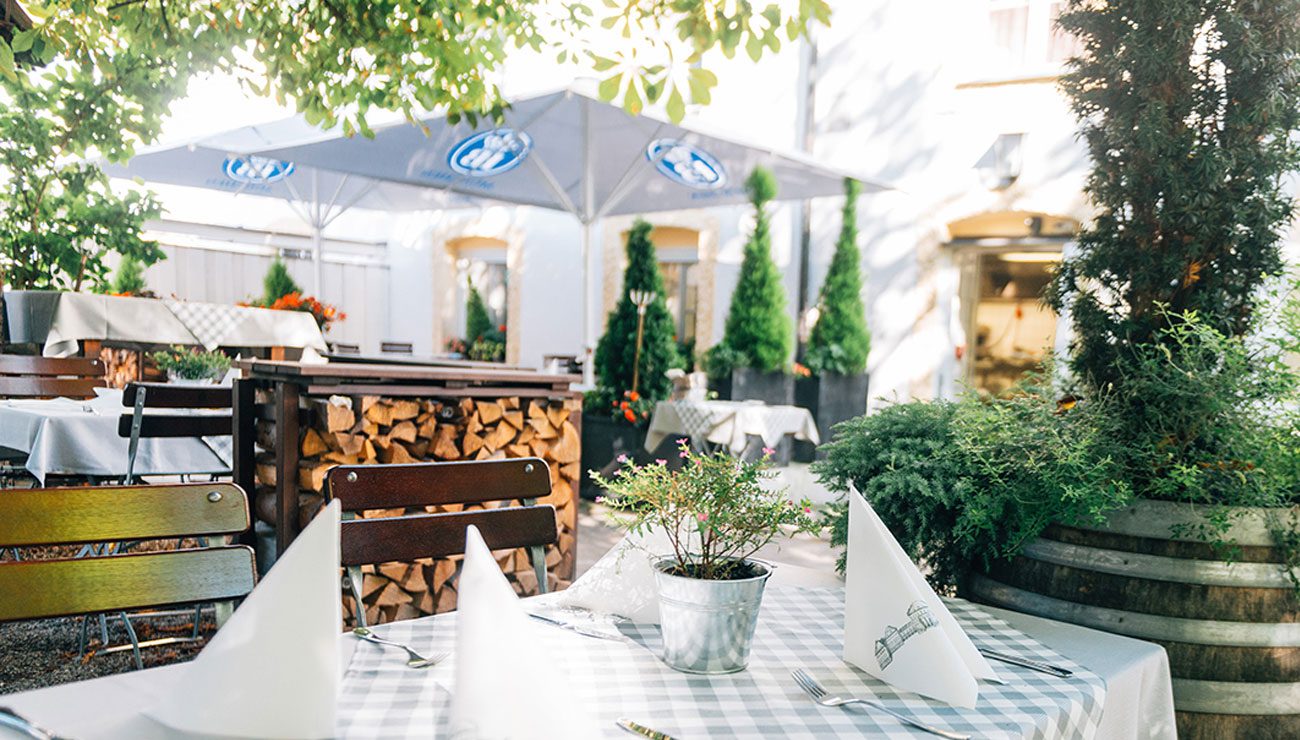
[
  {"x": 166, "y": 396},
  {"x": 31, "y": 589},
  {"x": 22, "y": 376},
  {"x": 365, "y": 541}
]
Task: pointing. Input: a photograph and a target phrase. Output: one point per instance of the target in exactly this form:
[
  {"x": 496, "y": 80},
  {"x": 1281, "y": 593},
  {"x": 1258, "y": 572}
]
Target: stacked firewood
[{"x": 372, "y": 430}]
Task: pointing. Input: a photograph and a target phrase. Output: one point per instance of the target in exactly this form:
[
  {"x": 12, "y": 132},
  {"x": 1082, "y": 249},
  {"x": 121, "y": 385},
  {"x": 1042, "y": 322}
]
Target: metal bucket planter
[{"x": 708, "y": 626}]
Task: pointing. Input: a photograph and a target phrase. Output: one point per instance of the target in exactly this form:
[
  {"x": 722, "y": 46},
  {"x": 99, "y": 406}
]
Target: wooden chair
[
  {"x": 37, "y": 589},
  {"x": 22, "y": 376},
  {"x": 404, "y": 538},
  {"x": 138, "y": 425}
]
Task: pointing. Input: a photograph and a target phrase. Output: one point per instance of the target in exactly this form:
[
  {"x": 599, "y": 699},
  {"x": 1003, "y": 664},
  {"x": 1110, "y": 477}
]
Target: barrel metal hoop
[
  {"x": 1233, "y": 697},
  {"x": 1135, "y": 624},
  {"x": 1160, "y": 568}
]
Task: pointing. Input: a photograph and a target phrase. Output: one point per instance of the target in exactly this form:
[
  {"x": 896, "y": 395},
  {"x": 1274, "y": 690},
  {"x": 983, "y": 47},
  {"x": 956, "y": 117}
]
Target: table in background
[
  {"x": 62, "y": 436},
  {"x": 1138, "y": 697},
  {"x": 728, "y": 424}
]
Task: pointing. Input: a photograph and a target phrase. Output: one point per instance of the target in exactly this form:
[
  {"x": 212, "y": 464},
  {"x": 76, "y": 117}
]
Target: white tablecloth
[
  {"x": 728, "y": 423},
  {"x": 64, "y": 436},
  {"x": 1138, "y": 703},
  {"x": 82, "y": 316}
]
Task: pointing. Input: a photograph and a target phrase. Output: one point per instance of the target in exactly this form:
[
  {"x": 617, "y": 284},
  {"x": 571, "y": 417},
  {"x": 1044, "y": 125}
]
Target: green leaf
[
  {"x": 22, "y": 40},
  {"x": 701, "y": 82},
  {"x": 7, "y": 61},
  {"x": 602, "y": 64},
  {"x": 676, "y": 105},
  {"x": 609, "y": 87},
  {"x": 632, "y": 101}
]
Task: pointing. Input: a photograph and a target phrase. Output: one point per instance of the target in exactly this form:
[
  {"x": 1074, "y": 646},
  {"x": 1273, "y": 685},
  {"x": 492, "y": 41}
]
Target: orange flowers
[{"x": 323, "y": 313}]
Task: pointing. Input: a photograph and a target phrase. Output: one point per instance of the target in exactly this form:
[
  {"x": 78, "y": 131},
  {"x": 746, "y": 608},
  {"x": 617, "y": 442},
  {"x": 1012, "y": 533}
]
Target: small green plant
[
  {"x": 487, "y": 350},
  {"x": 478, "y": 324},
  {"x": 758, "y": 332},
  {"x": 129, "y": 279},
  {"x": 840, "y": 342},
  {"x": 714, "y": 509},
  {"x": 192, "y": 364},
  {"x": 278, "y": 283}
]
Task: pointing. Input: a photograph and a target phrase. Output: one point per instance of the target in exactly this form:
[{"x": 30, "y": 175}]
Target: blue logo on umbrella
[
  {"x": 490, "y": 153},
  {"x": 686, "y": 165},
  {"x": 257, "y": 170}
]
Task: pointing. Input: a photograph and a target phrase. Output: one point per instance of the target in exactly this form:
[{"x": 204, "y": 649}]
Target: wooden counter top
[{"x": 409, "y": 379}]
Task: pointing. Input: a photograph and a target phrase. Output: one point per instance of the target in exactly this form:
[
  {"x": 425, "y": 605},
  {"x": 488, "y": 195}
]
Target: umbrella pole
[
  {"x": 316, "y": 227},
  {"x": 588, "y": 309}
]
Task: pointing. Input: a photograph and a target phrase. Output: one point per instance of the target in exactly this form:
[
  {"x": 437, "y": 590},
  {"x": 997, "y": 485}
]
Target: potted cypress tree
[
  {"x": 484, "y": 341},
  {"x": 836, "y": 355},
  {"x": 616, "y": 414},
  {"x": 751, "y": 360}
]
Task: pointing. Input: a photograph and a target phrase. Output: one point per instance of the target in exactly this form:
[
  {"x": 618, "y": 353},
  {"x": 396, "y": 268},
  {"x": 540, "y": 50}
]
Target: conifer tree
[
  {"x": 129, "y": 279},
  {"x": 478, "y": 324},
  {"x": 840, "y": 342},
  {"x": 1189, "y": 110},
  {"x": 758, "y": 333},
  {"x": 278, "y": 283},
  {"x": 615, "y": 353}
]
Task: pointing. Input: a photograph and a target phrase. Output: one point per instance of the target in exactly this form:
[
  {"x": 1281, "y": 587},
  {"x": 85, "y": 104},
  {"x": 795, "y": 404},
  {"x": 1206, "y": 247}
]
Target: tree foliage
[
  {"x": 129, "y": 279},
  {"x": 758, "y": 331},
  {"x": 277, "y": 283},
  {"x": 840, "y": 341},
  {"x": 93, "y": 78},
  {"x": 1189, "y": 109},
  {"x": 616, "y": 352},
  {"x": 478, "y": 324}
]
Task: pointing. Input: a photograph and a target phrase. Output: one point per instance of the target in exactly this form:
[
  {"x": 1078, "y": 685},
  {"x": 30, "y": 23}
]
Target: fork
[
  {"x": 416, "y": 660},
  {"x": 820, "y": 695}
]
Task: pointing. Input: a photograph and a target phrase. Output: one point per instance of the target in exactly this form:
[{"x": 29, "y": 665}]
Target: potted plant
[
  {"x": 629, "y": 383},
  {"x": 716, "y": 513},
  {"x": 751, "y": 360},
  {"x": 281, "y": 293},
  {"x": 834, "y": 386},
  {"x": 191, "y": 366}
]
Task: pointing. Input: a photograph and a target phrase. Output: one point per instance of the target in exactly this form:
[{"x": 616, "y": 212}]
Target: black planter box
[
  {"x": 832, "y": 399},
  {"x": 773, "y": 389}
]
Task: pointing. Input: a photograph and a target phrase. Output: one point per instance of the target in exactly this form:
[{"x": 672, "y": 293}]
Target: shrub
[
  {"x": 192, "y": 364},
  {"x": 478, "y": 324},
  {"x": 278, "y": 283},
  {"x": 616, "y": 352},
  {"x": 129, "y": 280},
  {"x": 839, "y": 342},
  {"x": 758, "y": 332}
]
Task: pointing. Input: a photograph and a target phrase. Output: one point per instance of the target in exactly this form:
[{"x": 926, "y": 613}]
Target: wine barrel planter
[{"x": 1231, "y": 629}]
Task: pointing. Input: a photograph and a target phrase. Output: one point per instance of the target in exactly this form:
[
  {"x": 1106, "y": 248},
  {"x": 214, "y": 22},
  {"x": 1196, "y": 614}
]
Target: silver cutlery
[
  {"x": 416, "y": 660},
  {"x": 820, "y": 695},
  {"x": 14, "y": 721},
  {"x": 579, "y": 629},
  {"x": 641, "y": 730},
  {"x": 1031, "y": 664}
]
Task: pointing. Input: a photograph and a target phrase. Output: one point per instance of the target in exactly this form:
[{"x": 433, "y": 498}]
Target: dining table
[
  {"x": 1119, "y": 687},
  {"x": 79, "y": 437}
]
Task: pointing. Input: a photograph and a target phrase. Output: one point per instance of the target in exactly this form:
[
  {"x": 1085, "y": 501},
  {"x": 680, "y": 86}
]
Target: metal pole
[
  {"x": 316, "y": 226},
  {"x": 588, "y": 249}
]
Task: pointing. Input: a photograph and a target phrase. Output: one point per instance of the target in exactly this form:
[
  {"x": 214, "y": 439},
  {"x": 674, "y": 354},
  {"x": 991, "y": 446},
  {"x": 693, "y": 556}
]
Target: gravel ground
[{"x": 44, "y": 652}]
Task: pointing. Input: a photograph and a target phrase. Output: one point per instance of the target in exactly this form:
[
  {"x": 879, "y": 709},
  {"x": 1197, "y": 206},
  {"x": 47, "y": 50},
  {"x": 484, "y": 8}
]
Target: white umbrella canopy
[{"x": 563, "y": 150}]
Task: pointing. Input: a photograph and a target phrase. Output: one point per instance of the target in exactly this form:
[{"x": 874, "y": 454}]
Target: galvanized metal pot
[{"x": 708, "y": 626}]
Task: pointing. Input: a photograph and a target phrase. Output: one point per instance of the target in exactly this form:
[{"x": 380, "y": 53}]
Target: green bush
[
  {"x": 278, "y": 283},
  {"x": 192, "y": 364},
  {"x": 758, "y": 332},
  {"x": 129, "y": 279},
  {"x": 961, "y": 483},
  {"x": 840, "y": 342},
  {"x": 616, "y": 352},
  {"x": 478, "y": 324}
]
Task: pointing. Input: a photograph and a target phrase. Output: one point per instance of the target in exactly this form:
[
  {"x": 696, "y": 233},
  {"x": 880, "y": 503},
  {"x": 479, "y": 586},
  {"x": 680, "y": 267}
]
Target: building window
[
  {"x": 480, "y": 261},
  {"x": 1024, "y": 39}
]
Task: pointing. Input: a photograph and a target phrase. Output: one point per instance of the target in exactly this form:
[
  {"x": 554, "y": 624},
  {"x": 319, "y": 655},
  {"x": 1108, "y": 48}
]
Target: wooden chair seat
[
  {"x": 32, "y": 589},
  {"x": 423, "y": 535}
]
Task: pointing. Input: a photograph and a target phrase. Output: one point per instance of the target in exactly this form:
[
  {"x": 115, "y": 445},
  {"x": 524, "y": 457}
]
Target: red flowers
[{"x": 324, "y": 314}]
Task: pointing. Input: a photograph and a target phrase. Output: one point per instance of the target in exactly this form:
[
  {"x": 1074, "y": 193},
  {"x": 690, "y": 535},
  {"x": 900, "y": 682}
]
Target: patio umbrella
[{"x": 563, "y": 150}]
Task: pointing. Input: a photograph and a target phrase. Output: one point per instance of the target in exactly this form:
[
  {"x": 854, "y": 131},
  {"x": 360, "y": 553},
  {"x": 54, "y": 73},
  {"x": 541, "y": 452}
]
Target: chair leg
[
  {"x": 103, "y": 629},
  {"x": 198, "y": 619},
  {"x": 354, "y": 584},
  {"x": 135, "y": 642},
  {"x": 537, "y": 554},
  {"x": 85, "y": 636}
]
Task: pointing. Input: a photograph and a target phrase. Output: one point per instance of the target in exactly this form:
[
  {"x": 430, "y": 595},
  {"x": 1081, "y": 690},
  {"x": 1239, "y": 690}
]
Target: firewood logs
[{"x": 372, "y": 430}]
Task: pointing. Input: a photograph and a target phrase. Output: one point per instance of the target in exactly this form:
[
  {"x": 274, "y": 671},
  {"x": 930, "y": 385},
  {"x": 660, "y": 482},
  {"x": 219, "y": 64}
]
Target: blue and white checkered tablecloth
[{"x": 799, "y": 628}]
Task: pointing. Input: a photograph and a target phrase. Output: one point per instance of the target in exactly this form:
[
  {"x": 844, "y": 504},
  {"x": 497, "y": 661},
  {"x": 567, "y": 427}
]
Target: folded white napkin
[
  {"x": 623, "y": 581},
  {"x": 895, "y": 626},
  {"x": 499, "y": 654},
  {"x": 273, "y": 670}
]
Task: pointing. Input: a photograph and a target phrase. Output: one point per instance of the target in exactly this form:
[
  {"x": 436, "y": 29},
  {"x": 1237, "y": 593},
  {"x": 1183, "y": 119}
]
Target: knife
[
  {"x": 641, "y": 730},
  {"x": 584, "y": 631},
  {"x": 1032, "y": 665}
]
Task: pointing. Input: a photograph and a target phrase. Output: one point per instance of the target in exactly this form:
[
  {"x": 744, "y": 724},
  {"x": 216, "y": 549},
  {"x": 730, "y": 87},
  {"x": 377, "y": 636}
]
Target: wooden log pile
[{"x": 373, "y": 430}]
